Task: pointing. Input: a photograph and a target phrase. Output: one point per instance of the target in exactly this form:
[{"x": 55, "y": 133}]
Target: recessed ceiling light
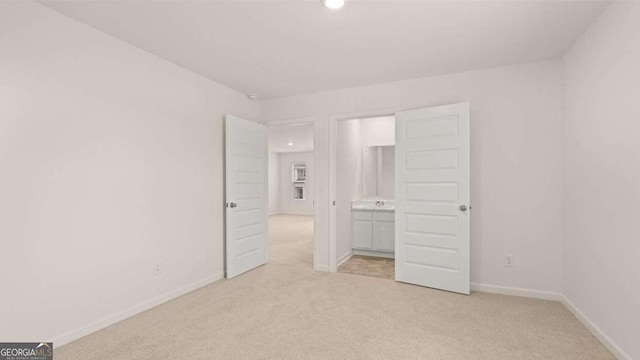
[
  {"x": 290, "y": 144},
  {"x": 333, "y": 4},
  {"x": 252, "y": 97}
]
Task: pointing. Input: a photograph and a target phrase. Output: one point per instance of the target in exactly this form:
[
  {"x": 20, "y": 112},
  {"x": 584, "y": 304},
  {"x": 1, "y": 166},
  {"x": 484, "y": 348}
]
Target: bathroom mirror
[{"x": 378, "y": 171}]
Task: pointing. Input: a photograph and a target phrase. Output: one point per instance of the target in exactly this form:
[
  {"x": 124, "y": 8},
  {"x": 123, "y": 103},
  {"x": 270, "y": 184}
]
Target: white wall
[
  {"x": 516, "y": 174},
  {"x": 111, "y": 162},
  {"x": 378, "y": 131},
  {"x": 274, "y": 183},
  {"x": 291, "y": 137},
  {"x": 348, "y": 183},
  {"x": 287, "y": 205},
  {"x": 602, "y": 175}
]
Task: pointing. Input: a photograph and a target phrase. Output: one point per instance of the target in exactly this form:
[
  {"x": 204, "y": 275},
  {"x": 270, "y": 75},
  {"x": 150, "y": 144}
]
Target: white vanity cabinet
[
  {"x": 373, "y": 232},
  {"x": 362, "y": 229},
  {"x": 384, "y": 231}
]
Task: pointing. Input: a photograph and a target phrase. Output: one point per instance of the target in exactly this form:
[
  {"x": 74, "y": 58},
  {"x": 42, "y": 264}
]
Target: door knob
[
  {"x": 232, "y": 205},
  {"x": 463, "y": 207}
]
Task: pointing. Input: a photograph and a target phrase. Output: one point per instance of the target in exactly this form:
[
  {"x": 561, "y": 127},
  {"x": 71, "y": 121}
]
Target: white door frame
[
  {"x": 312, "y": 121},
  {"x": 333, "y": 145}
]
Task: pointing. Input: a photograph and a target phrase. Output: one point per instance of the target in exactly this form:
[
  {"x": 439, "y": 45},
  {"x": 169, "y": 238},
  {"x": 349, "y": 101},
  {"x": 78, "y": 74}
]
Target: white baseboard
[
  {"x": 549, "y": 295},
  {"x": 344, "y": 258},
  {"x": 505, "y": 290},
  {"x": 595, "y": 330},
  {"x": 374, "y": 253},
  {"x": 322, "y": 268},
  {"x": 293, "y": 213},
  {"x": 134, "y": 310}
]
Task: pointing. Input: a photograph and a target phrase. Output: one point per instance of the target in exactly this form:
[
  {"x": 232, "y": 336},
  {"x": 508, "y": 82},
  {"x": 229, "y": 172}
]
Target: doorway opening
[
  {"x": 427, "y": 221},
  {"x": 365, "y": 195},
  {"x": 291, "y": 194}
]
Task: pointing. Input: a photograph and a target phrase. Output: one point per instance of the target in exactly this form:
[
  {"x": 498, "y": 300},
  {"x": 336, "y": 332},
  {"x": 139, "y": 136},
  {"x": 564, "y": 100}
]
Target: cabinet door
[
  {"x": 385, "y": 235},
  {"x": 362, "y": 234}
]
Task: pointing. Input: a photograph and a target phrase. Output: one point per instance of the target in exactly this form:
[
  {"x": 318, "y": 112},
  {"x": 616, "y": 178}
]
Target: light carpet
[{"x": 285, "y": 310}]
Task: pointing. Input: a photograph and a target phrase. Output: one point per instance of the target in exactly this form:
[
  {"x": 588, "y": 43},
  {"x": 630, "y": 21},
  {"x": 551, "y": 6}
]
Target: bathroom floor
[{"x": 369, "y": 266}]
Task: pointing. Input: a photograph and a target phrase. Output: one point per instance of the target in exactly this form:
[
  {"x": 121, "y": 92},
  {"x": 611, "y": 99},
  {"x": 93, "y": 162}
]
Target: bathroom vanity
[
  {"x": 373, "y": 217},
  {"x": 373, "y": 226}
]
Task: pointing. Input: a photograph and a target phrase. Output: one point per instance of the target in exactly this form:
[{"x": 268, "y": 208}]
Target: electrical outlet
[
  {"x": 509, "y": 260},
  {"x": 157, "y": 269}
]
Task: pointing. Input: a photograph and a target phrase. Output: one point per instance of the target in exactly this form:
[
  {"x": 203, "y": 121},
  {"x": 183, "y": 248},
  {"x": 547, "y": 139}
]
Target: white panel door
[
  {"x": 246, "y": 169},
  {"x": 432, "y": 197}
]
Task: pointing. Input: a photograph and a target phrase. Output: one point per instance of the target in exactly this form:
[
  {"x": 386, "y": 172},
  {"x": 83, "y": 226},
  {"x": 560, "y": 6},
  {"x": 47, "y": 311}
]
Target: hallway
[{"x": 291, "y": 240}]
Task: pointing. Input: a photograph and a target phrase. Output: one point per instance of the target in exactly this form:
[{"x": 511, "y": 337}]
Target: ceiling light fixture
[
  {"x": 290, "y": 144},
  {"x": 333, "y": 4}
]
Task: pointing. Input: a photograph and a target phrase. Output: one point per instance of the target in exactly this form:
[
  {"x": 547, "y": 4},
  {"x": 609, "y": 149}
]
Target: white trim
[
  {"x": 108, "y": 320},
  {"x": 333, "y": 132},
  {"x": 289, "y": 122},
  {"x": 595, "y": 330},
  {"x": 319, "y": 267},
  {"x": 296, "y": 214},
  {"x": 614, "y": 348},
  {"x": 375, "y": 253},
  {"x": 513, "y": 291},
  {"x": 344, "y": 258}
]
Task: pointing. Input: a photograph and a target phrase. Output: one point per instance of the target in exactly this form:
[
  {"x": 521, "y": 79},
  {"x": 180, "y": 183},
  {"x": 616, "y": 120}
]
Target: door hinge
[{"x": 334, "y": 203}]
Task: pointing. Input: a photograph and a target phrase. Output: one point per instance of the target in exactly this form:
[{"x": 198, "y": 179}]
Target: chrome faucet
[{"x": 379, "y": 203}]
